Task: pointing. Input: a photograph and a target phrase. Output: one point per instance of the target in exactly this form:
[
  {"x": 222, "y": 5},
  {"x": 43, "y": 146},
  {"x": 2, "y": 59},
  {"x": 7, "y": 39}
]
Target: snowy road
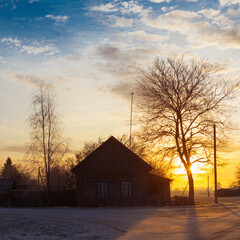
[{"x": 209, "y": 222}]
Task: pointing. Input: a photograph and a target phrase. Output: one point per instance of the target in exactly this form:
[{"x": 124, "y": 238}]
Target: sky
[{"x": 91, "y": 52}]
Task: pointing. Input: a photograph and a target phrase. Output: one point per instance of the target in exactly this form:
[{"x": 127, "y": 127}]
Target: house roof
[
  {"x": 114, "y": 154},
  {"x": 156, "y": 174},
  {"x": 6, "y": 184}
]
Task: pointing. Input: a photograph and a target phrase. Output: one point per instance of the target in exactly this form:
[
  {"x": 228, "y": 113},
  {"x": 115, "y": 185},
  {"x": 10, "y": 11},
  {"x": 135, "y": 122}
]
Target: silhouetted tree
[
  {"x": 48, "y": 146},
  {"x": 236, "y": 184},
  {"x": 178, "y": 104},
  {"x": 87, "y": 149},
  {"x": 20, "y": 174},
  {"x": 9, "y": 170}
]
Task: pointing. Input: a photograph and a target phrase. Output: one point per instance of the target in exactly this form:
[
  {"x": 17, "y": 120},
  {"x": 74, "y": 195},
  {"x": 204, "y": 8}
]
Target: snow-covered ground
[{"x": 204, "y": 221}]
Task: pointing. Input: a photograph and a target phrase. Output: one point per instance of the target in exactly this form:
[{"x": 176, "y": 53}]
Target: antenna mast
[
  {"x": 130, "y": 137},
  {"x": 215, "y": 163}
]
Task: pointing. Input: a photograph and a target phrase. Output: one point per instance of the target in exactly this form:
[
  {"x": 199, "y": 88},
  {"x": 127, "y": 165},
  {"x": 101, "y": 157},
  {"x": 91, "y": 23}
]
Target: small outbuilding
[
  {"x": 6, "y": 185},
  {"x": 113, "y": 175}
]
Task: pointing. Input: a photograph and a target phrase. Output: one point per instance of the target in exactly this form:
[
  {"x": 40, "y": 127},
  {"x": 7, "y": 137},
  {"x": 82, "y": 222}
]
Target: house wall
[
  {"x": 87, "y": 189},
  {"x": 146, "y": 190},
  {"x": 159, "y": 190}
]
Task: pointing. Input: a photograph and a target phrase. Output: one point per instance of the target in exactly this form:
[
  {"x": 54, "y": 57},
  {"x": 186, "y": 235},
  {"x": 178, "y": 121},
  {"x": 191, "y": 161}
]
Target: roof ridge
[{"x": 112, "y": 138}]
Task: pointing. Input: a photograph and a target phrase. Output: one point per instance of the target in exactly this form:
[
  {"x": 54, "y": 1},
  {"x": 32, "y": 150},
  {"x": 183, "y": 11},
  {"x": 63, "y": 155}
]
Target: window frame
[
  {"x": 98, "y": 189},
  {"x": 126, "y": 183}
]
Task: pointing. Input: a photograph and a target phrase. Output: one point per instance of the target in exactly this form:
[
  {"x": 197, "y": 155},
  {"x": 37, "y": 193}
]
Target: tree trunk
[
  {"x": 48, "y": 191},
  {"x": 191, "y": 187}
]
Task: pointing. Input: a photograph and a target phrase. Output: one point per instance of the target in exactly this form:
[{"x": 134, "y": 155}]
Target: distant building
[
  {"x": 114, "y": 175},
  {"x": 6, "y": 185}
]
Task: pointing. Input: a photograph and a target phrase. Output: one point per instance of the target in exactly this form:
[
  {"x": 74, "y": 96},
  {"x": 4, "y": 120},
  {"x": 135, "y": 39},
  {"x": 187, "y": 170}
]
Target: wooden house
[{"x": 113, "y": 175}]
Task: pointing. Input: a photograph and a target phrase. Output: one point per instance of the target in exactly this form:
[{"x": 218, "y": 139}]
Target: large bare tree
[
  {"x": 179, "y": 101},
  {"x": 47, "y": 147}
]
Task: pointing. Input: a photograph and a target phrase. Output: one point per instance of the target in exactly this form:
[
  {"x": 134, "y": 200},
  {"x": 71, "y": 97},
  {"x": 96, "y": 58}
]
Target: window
[
  {"x": 102, "y": 190},
  {"x": 126, "y": 189}
]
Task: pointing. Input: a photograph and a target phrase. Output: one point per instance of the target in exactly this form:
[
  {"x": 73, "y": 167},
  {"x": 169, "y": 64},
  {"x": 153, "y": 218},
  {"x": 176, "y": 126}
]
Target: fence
[
  {"x": 228, "y": 192},
  {"x": 27, "y": 198}
]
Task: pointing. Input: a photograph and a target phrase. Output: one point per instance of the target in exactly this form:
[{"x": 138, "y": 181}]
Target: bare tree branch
[{"x": 179, "y": 102}]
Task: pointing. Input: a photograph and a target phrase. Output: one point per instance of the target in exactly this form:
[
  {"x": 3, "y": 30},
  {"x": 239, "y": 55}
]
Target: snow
[{"x": 203, "y": 221}]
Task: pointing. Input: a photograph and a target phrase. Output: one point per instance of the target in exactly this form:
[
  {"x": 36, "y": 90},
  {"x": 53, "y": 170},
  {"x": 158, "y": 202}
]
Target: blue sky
[{"x": 91, "y": 52}]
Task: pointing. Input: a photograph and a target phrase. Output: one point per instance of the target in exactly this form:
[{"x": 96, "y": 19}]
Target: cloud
[
  {"x": 160, "y": 1},
  {"x": 131, "y": 7},
  {"x": 165, "y": 9},
  {"x": 15, "y": 41},
  {"x": 109, "y": 7},
  {"x": 122, "y": 88},
  {"x": 15, "y": 148},
  {"x": 146, "y": 37},
  {"x": 209, "y": 13},
  {"x": 23, "y": 78},
  {"x": 215, "y": 17},
  {"x": 229, "y": 2},
  {"x": 198, "y": 33},
  {"x": 32, "y": 1},
  {"x": 123, "y": 63},
  {"x": 171, "y": 21},
  {"x": 57, "y": 18},
  {"x": 233, "y": 13},
  {"x": 37, "y": 49},
  {"x": 125, "y": 7},
  {"x": 222, "y": 21},
  {"x": 122, "y": 22},
  {"x": 34, "y": 48},
  {"x": 109, "y": 52}
]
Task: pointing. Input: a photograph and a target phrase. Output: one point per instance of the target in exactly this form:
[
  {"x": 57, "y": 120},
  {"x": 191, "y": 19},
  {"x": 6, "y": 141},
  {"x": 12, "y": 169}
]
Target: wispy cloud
[
  {"x": 32, "y": 1},
  {"x": 21, "y": 77},
  {"x": 160, "y": 1},
  {"x": 121, "y": 21},
  {"x": 33, "y": 48},
  {"x": 57, "y": 18},
  {"x": 141, "y": 35},
  {"x": 167, "y": 9},
  {"x": 14, "y": 41},
  {"x": 123, "y": 63},
  {"x": 216, "y": 17},
  {"x": 122, "y": 88},
  {"x": 199, "y": 33},
  {"x": 15, "y": 148},
  {"x": 209, "y": 13},
  {"x": 233, "y": 13},
  {"x": 229, "y": 2},
  {"x": 109, "y": 7},
  {"x": 130, "y": 7}
]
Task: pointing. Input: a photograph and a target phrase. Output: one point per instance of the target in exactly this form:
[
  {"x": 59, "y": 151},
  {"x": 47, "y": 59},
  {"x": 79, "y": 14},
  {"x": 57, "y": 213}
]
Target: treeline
[{"x": 27, "y": 178}]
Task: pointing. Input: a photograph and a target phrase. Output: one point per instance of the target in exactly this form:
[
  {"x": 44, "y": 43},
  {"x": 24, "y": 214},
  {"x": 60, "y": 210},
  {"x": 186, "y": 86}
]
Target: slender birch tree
[
  {"x": 178, "y": 104},
  {"x": 47, "y": 147}
]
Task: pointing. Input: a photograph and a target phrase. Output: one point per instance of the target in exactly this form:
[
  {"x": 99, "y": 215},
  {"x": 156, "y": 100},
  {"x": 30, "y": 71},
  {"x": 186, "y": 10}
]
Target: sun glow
[{"x": 197, "y": 168}]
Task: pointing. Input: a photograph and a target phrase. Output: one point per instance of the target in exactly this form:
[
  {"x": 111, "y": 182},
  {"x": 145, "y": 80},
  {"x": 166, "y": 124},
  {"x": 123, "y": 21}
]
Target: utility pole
[
  {"x": 215, "y": 163},
  {"x": 38, "y": 177},
  {"x": 130, "y": 137},
  {"x": 208, "y": 192}
]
